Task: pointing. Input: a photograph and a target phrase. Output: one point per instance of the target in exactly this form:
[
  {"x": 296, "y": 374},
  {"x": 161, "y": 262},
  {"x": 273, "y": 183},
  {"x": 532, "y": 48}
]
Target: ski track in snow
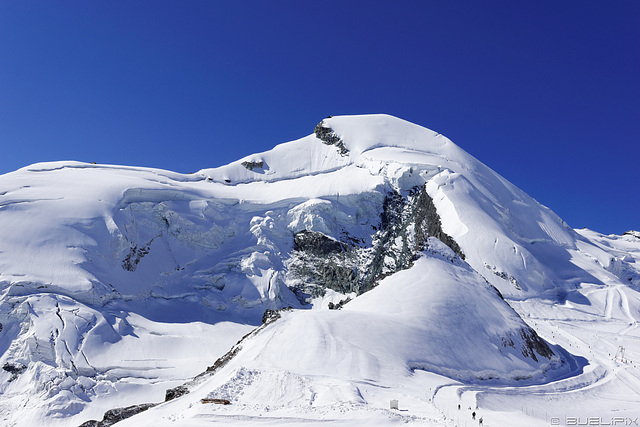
[{"x": 609, "y": 306}]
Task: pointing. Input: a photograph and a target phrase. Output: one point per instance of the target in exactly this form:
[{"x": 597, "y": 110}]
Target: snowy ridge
[{"x": 118, "y": 283}]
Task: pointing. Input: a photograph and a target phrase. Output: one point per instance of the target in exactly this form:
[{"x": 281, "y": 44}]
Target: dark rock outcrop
[
  {"x": 406, "y": 223},
  {"x": 405, "y": 226},
  {"x": 503, "y": 275},
  {"x": 131, "y": 261},
  {"x": 533, "y": 345},
  {"x": 632, "y": 233},
  {"x": 428, "y": 223},
  {"x": 327, "y": 135},
  {"x": 14, "y": 369},
  {"x": 251, "y": 165},
  {"x": 339, "y": 305},
  {"x": 174, "y": 393},
  {"x": 113, "y": 416},
  {"x": 317, "y": 243},
  {"x": 322, "y": 262}
]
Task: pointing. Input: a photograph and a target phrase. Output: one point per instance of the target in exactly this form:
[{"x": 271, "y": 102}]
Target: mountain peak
[
  {"x": 362, "y": 133},
  {"x": 399, "y": 252},
  {"x": 337, "y": 142}
]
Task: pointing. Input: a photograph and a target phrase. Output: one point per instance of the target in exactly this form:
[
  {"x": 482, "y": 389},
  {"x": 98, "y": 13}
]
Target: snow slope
[
  {"x": 119, "y": 282},
  {"x": 321, "y": 362}
]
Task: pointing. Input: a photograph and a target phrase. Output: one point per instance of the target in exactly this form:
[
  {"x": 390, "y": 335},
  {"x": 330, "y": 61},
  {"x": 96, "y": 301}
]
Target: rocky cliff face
[{"x": 406, "y": 222}]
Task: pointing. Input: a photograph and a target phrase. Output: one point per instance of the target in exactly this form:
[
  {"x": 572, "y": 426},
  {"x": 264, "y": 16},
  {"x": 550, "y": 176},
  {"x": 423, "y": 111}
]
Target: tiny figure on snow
[
  {"x": 480, "y": 421},
  {"x": 458, "y": 406},
  {"x": 473, "y": 415}
]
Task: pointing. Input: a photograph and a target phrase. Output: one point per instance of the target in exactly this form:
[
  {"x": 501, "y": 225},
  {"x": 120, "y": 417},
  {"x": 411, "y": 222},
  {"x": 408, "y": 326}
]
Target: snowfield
[{"x": 394, "y": 265}]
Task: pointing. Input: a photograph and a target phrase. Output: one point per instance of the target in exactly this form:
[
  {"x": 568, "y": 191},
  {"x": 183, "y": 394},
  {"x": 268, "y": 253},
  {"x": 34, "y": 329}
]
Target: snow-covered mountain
[{"x": 406, "y": 270}]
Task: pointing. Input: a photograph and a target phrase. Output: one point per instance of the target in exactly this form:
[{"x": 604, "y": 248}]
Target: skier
[
  {"x": 480, "y": 421},
  {"x": 473, "y": 415}
]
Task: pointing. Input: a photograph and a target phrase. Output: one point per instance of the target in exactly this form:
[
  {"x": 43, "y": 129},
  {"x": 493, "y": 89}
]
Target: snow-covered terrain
[{"x": 413, "y": 272}]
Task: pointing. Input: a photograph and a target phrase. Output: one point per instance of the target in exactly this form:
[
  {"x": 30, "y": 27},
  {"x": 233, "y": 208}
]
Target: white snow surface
[{"x": 117, "y": 283}]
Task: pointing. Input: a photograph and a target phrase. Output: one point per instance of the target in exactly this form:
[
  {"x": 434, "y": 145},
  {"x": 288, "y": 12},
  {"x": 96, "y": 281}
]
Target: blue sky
[{"x": 546, "y": 93}]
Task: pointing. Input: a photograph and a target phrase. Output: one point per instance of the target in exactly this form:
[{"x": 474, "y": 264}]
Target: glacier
[{"x": 406, "y": 269}]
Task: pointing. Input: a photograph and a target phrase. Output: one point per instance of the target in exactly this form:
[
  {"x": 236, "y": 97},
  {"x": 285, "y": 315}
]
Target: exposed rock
[
  {"x": 534, "y": 342},
  {"x": 14, "y": 369},
  {"x": 306, "y": 292},
  {"x": 113, "y": 416},
  {"x": 329, "y": 137},
  {"x": 428, "y": 224},
  {"x": 271, "y": 316},
  {"x": 405, "y": 226},
  {"x": 533, "y": 345},
  {"x": 406, "y": 223},
  {"x": 339, "y": 305},
  {"x": 251, "y": 165},
  {"x": 130, "y": 262},
  {"x": 496, "y": 291},
  {"x": 320, "y": 263},
  {"x": 174, "y": 393},
  {"x": 317, "y": 243},
  {"x": 503, "y": 275},
  {"x": 506, "y": 341},
  {"x": 222, "y": 361}
]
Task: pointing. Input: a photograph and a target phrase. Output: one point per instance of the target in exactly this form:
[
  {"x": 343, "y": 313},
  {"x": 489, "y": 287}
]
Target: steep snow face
[
  {"x": 520, "y": 246},
  {"x": 314, "y": 363},
  {"x": 406, "y": 323},
  {"x": 98, "y": 261}
]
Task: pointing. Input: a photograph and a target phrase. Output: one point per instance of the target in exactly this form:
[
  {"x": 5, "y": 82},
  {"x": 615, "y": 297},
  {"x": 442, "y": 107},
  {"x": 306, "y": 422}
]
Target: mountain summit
[{"x": 370, "y": 259}]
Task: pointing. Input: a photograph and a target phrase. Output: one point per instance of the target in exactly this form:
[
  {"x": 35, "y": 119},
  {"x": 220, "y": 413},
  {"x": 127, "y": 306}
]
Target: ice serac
[{"x": 115, "y": 279}]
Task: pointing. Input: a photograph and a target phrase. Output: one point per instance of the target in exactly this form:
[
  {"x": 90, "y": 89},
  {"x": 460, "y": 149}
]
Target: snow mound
[{"x": 438, "y": 315}]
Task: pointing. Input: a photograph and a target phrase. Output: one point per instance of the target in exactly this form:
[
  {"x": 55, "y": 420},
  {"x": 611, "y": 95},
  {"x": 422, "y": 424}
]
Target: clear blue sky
[{"x": 546, "y": 93}]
